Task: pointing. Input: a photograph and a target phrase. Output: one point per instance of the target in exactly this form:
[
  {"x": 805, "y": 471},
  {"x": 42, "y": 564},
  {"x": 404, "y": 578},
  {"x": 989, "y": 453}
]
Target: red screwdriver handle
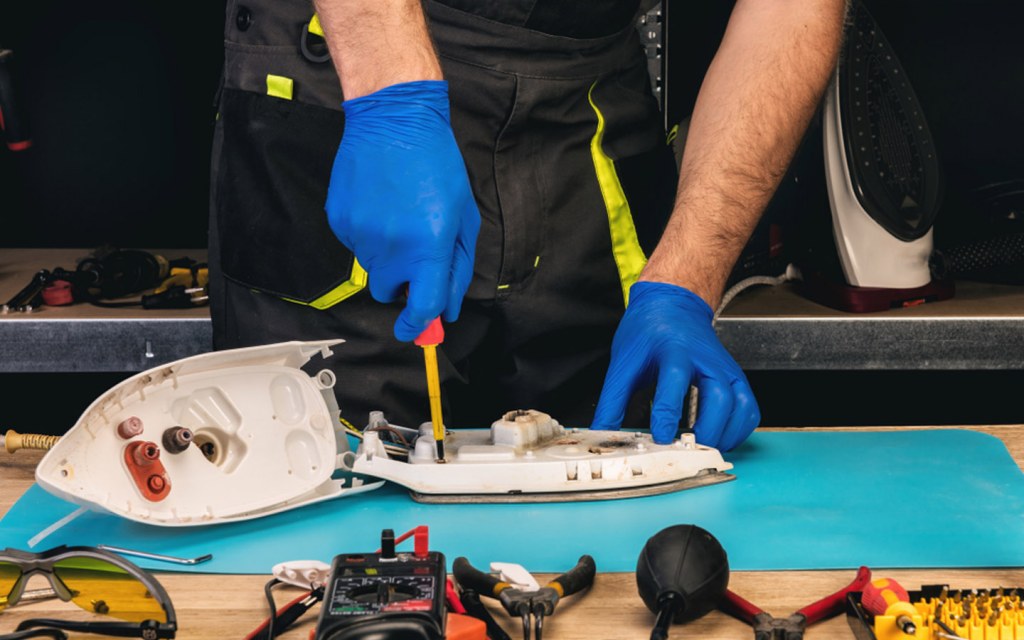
[{"x": 432, "y": 335}]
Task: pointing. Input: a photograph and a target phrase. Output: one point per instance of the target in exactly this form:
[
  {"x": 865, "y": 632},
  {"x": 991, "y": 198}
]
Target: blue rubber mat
[{"x": 801, "y": 500}]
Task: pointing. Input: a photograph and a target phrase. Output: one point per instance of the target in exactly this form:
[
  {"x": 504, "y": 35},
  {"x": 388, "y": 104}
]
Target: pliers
[
  {"x": 522, "y": 602},
  {"x": 767, "y": 627}
]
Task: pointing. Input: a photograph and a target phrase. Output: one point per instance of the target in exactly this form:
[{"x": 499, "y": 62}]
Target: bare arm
[
  {"x": 377, "y": 43},
  {"x": 756, "y": 100}
]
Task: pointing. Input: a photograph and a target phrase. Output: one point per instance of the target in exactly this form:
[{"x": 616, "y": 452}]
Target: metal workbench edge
[
  {"x": 53, "y": 345},
  {"x": 875, "y": 342},
  {"x": 765, "y": 343}
]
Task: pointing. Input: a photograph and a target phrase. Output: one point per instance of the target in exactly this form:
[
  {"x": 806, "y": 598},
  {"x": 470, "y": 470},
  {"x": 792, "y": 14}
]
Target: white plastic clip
[
  {"x": 516, "y": 575},
  {"x": 308, "y": 574}
]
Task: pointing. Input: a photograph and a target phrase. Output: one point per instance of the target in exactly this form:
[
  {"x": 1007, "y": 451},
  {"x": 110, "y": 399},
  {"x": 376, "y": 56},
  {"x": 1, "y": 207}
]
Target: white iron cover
[{"x": 263, "y": 440}]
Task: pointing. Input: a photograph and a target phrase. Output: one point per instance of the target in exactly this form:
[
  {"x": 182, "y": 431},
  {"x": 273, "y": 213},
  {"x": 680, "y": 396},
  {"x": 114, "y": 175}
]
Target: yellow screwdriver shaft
[
  {"x": 432, "y": 336},
  {"x": 434, "y": 393}
]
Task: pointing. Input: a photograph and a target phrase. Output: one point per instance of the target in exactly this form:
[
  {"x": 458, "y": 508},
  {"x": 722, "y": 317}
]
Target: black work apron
[{"x": 567, "y": 160}]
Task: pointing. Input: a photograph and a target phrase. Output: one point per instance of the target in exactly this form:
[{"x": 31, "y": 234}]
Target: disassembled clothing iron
[
  {"x": 239, "y": 434},
  {"x": 527, "y": 456},
  {"x": 218, "y": 437}
]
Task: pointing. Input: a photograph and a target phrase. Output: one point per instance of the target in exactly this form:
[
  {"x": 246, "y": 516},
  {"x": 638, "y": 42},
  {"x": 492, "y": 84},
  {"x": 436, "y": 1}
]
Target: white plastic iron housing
[
  {"x": 526, "y": 456},
  {"x": 223, "y": 436}
]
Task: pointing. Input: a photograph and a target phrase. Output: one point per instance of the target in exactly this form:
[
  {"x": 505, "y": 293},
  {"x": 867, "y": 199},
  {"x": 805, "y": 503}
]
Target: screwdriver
[
  {"x": 885, "y": 596},
  {"x": 432, "y": 336}
]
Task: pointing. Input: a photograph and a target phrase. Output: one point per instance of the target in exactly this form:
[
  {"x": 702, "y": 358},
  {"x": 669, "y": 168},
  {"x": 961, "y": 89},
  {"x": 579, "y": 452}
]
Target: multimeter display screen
[{"x": 362, "y": 590}]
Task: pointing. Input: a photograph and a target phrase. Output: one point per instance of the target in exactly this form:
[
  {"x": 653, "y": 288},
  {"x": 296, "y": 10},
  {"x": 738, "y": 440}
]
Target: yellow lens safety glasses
[{"x": 97, "y": 581}]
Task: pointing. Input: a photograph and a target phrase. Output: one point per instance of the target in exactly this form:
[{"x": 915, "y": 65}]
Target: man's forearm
[
  {"x": 757, "y": 97},
  {"x": 377, "y": 43}
]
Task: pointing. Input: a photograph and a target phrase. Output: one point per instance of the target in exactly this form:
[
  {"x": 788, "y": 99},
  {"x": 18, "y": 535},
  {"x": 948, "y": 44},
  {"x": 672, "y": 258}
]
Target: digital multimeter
[{"x": 385, "y": 596}]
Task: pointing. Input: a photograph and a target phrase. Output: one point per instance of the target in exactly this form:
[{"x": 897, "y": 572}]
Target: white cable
[
  {"x": 791, "y": 273},
  {"x": 42, "y": 535}
]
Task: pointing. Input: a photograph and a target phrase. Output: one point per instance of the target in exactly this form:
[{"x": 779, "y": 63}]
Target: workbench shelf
[{"x": 765, "y": 328}]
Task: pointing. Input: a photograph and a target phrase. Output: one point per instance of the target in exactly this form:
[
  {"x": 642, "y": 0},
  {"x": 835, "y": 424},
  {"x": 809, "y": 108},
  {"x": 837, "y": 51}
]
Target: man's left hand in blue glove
[
  {"x": 667, "y": 333},
  {"x": 759, "y": 93}
]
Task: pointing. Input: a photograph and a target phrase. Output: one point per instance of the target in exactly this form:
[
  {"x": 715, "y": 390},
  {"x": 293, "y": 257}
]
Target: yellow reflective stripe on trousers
[
  {"x": 629, "y": 256},
  {"x": 280, "y": 86},
  {"x": 355, "y": 283},
  {"x": 673, "y": 133},
  {"x": 314, "y": 26}
]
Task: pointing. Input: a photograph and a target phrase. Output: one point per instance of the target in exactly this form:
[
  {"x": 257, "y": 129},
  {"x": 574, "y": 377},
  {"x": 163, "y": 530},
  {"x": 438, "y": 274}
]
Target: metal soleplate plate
[{"x": 702, "y": 479}]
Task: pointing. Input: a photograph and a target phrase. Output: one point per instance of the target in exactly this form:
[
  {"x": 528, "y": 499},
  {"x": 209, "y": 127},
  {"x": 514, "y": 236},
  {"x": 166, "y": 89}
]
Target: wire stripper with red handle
[{"x": 767, "y": 627}]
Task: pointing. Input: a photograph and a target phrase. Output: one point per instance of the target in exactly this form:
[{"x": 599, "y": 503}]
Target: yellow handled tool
[{"x": 432, "y": 336}]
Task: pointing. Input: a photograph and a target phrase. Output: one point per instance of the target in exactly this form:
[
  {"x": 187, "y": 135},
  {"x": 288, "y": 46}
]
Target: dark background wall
[
  {"x": 120, "y": 101},
  {"x": 964, "y": 60},
  {"x": 120, "y": 96}
]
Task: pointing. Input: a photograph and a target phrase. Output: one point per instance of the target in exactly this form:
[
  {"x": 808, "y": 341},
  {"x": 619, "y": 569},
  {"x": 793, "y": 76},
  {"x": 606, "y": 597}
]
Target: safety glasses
[{"x": 97, "y": 581}]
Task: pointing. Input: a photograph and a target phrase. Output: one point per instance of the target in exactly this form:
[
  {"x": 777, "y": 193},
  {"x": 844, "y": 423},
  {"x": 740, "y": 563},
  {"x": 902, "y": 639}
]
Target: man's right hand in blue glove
[{"x": 400, "y": 200}]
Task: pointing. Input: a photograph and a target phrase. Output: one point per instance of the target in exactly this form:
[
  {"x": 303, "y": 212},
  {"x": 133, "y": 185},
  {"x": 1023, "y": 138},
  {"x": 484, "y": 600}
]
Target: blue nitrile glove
[
  {"x": 666, "y": 333},
  {"x": 400, "y": 199}
]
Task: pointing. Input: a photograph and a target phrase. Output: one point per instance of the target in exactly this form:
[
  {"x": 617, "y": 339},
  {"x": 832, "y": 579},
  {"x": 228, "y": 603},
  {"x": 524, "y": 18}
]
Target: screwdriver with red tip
[{"x": 432, "y": 336}]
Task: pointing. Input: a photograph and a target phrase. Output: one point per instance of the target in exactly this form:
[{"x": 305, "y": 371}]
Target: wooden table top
[{"x": 230, "y": 606}]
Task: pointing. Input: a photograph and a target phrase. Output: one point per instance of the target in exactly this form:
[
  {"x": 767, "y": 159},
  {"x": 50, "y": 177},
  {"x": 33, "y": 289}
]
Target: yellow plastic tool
[{"x": 432, "y": 336}]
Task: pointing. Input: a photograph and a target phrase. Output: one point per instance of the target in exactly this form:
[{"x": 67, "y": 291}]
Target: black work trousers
[{"x": 567, "y": 160}]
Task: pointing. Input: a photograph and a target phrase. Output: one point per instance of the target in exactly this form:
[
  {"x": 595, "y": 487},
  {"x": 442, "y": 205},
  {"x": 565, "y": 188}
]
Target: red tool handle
[
  {"x": 739, "y": 607},
  {"x": 833, "y": 604},
  {"x": 432, "y": 335}
]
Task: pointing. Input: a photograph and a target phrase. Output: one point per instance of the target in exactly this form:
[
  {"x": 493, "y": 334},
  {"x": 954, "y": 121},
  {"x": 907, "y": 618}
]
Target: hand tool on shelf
[
  {"x": 432, "y": 336},
  {"x": 190, "y": 275},
  {"x": 767, "y": 627},
  {"x": 523, "y": 603},
  {"x": 184, "y": 287},
  {"x": 113, "y": 274},
  {"x": 30, "y": 296}
]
